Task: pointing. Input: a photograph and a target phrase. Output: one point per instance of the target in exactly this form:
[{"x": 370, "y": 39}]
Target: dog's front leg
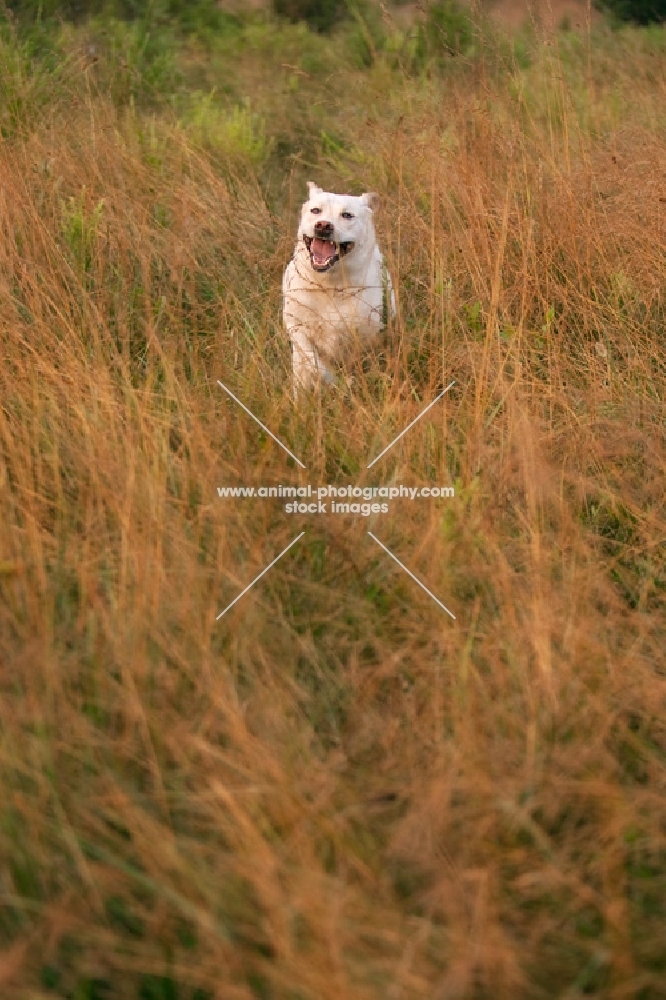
[{"x": 307, "y": 366}]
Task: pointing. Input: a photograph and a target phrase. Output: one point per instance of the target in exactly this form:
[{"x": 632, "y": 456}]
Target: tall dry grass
[{"x": 336, "y": 791}]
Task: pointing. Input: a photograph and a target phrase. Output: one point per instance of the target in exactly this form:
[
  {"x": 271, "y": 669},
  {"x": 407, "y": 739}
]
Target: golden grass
[{"x": 336, "y": 791}]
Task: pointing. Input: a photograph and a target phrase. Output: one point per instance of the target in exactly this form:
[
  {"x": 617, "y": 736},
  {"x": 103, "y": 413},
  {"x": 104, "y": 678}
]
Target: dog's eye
[
  {"x": 316, "y": 211},
  {"x": 347, "y": 215}
]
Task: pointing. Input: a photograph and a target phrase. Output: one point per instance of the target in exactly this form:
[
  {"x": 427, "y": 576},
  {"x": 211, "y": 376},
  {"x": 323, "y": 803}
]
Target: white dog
[{"x": 336, "y": 286}]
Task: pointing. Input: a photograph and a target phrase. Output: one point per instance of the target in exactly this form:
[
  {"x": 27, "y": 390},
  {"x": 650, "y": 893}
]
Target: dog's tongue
[{"x": 322, "y": 250}]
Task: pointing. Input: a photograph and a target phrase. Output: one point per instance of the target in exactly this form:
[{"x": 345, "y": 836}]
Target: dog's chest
[
  {"x": 336, "y": 310},
  {"x": 348, "y": 310}
]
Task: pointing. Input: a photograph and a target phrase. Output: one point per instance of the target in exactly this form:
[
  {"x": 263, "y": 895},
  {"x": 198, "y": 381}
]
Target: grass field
[{"x": 335, "y": 792}]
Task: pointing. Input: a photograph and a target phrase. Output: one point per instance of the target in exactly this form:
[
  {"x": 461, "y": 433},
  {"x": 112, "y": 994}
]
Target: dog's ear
[
  {"x": 372, "y": 200},
  {"x": 313, "y": 189}
]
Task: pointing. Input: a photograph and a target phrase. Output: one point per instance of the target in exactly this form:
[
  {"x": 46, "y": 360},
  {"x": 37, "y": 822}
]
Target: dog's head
[{"x": 336, "y": 225}]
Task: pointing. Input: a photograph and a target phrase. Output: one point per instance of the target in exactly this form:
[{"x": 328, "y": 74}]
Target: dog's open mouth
[{"x": 325, "y": 253}]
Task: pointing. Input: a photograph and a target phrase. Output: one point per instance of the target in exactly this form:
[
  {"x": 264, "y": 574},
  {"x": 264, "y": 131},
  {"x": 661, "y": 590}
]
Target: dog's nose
[{"x": 324, "y": 230}]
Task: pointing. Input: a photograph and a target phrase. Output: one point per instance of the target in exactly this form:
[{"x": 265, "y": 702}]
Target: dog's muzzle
[{"x": 325, "y": 252}]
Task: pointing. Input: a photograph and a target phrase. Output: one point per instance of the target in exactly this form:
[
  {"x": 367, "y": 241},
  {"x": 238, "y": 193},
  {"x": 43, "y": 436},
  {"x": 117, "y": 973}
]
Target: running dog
[{"x": 336, "y": 287}]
